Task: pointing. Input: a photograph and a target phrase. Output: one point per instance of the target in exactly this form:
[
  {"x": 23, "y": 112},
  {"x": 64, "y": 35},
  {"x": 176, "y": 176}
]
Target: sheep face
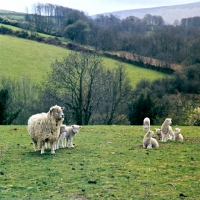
[
  {"x": 150, "y": 134},
  {"x": 76, "y": 128},
  {"x": 168, "y": 121},
  {"x": 57, "y": 112},
  {"x": 177, "y": 131}
]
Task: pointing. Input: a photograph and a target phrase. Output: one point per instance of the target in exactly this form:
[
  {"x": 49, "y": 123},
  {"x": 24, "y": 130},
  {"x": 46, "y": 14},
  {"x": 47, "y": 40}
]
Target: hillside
[
  {"x": 168, "y": 13},
  {"x": 33, "y": 59}
]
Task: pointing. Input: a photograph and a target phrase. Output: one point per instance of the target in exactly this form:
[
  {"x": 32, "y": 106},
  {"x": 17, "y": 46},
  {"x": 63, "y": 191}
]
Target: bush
[{"x": 194, "y": 118}]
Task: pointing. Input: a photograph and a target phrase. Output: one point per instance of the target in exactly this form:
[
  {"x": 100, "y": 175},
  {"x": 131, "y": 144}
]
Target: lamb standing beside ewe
[
  {"x": 146, "y": 124},
  {"x": 45, "y": 127},
  {"x": 66, "y": 134},
  {"x": 178, "y": 135},
  {"x": 165, "y": 129},
  {"x": 149, "y": 142}
]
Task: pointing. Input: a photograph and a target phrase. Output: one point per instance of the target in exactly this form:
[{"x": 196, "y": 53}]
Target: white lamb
[
  {"x": 45, "y": 127},
  {"x": 158, "y": 132},
  {"x": 149, "y": 142},
  {"x": 146, "y": 124},
  {"x": 165, "y": 129},
  {"x": 66, "y": 135},
  {"x": 178, "y": 135}
]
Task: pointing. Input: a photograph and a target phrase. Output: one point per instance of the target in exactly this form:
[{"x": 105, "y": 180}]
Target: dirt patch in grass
[{"x": 192, "y": 139}]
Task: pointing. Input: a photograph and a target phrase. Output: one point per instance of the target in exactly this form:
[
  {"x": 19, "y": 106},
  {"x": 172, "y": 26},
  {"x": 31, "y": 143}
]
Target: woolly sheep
[
  {"x": 66, "y": 134},
  {"x": 146, "y": 124},
  {"x": 45, "y": 127},
  {"x": 149, "y": 142},
  {"x": 165, "y": 129},
  {"x": 178, "y": 135}
]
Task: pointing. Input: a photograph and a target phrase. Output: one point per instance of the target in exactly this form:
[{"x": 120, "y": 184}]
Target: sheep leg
[
  {"x": 62, "y": 143},
  {"x": 149, "y": 146},
  {"x": 164, "y": 138},
  {"x": 173, "y": 137},
  {"x": 67, "y": 139},
  {"x": 35, "y": 146},
  {"x": 52, "y": 145},
  {"x": 71, "y": 142},
  {"x": 42, "y": 145},
  {"x": 57, "y": 144}
]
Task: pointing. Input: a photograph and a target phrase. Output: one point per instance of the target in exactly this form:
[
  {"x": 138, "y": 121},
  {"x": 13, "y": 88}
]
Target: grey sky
[{"x": 92, "y": 7}]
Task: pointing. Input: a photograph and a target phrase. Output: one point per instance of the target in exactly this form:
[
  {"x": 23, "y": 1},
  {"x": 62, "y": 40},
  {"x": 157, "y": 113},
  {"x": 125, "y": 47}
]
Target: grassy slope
[
  {"x": 110, "y": 155},
  {"x": 19, "y": 57}
]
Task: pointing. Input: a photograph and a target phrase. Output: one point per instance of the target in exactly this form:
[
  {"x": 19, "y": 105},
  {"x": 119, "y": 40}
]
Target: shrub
[{"x": 194, "y": 118}]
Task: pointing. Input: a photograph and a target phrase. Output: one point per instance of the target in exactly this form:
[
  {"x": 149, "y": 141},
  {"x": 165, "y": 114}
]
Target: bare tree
[
  {"x": 77, "y": 80},
  {"x": 115, "y": 96}
]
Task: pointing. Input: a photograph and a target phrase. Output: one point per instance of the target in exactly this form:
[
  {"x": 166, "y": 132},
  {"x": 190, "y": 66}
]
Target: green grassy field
[
  {"x": 12, "y": 15},
  {"x": 20, "y": 57},
  {"x": 107, "y": 162}
]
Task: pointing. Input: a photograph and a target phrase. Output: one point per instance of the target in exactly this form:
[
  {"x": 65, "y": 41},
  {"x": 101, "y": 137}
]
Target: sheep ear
[
  {"x": 63, "y": 108},
  {"x": 51, "y": 110}
]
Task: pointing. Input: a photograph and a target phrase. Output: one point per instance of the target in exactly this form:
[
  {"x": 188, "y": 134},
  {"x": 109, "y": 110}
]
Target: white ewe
[
  {"x": 165, "y": 129},
  {"x": 178, "y": 135},
  {"x": 66, "y": 135},
  {"x": 45, "y": 127},
  {"x": 146, "y": 124},
  {"x": 149, "y": 142}
]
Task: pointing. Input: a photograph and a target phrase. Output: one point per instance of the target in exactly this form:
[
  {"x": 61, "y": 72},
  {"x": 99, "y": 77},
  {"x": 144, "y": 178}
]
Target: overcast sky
[{"x": 91, "y": 7}]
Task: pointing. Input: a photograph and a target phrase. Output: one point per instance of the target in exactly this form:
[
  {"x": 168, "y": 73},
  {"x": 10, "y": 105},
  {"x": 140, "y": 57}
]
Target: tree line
[
  {"x": 148, "y": 36},
  {"x": 93, "y": 94}
]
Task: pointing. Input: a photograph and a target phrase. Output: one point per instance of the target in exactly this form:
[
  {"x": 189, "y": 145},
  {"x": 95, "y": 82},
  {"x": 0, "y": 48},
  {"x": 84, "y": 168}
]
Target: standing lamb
[
  {"x": 165, "y": 129},
  {"x": 178, "y": 135},
  {"x": 45, "y": 127},
  {"x": 149, "y": 142},
  {"x": 66, "y": 134},
  {"x": 146, "y": 124}
]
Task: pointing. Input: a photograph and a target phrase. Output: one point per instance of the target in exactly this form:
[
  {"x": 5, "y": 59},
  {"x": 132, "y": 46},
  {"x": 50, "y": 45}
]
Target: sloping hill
[
  {"x": 20, "y": 57},
  {"x": 169, "y": 13}
]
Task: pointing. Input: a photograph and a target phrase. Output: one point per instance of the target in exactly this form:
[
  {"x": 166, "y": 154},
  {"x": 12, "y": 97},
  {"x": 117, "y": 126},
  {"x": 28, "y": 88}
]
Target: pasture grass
[
  {"x": 107, "y": 162},
  {"x": 26, "y": 58}
]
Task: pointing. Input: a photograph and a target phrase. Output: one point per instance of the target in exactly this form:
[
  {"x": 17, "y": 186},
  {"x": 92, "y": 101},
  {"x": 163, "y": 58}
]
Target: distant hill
[{"x": 168, "y": 13}]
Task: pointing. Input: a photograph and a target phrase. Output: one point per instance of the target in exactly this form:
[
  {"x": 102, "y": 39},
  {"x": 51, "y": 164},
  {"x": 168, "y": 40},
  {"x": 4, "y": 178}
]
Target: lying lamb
[
  {"x": 158, "y": 132},
  {"x": 45, "y": 127},
  {"x": 165, "y": 129},
  {"x": 66, "y": 134},
  {"x": 149, "y": 142},
  {"x": 146, "y": 124},
  {"x": 178, "y": 135}
]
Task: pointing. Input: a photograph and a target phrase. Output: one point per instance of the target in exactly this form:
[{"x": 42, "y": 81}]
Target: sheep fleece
[{"x": 44, "y": 127}]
